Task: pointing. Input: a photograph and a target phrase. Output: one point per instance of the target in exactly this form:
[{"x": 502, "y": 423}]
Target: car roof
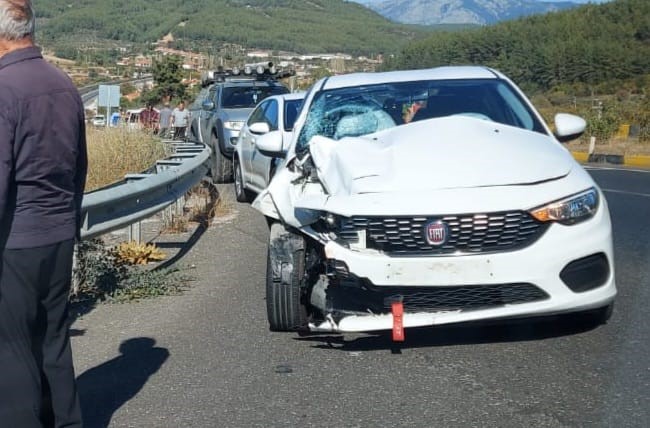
[{"x": 439, "y": 73}]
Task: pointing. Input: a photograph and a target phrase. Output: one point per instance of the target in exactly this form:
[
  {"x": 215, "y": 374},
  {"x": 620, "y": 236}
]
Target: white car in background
[
  {"x": 272, "y": 120},
  {"x": 428, "y": 197},
  {"x": 99, "y": 120}
]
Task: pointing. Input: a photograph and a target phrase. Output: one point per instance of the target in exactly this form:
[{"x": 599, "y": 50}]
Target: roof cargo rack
[{"x": 258, "y": 71}]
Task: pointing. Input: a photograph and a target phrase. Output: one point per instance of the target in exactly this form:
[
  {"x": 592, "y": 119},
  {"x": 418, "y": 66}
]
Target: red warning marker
[{"x": 397, "y": 309}]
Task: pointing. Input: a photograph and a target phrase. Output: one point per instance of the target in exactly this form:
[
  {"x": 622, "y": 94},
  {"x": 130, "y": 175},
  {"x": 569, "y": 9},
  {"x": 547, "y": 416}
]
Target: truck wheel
[
  {"x": 221, "y": 168},
  {"x": 241, "y": 193},
  {"x": 285, "y": 280}
]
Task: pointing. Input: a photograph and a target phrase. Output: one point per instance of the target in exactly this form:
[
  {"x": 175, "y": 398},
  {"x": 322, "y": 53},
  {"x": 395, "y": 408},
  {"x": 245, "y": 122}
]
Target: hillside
[
  {"x": 482, "y": 12},
  {"x": 583, "y": 47},
  {"x": 300, "y": 26}
]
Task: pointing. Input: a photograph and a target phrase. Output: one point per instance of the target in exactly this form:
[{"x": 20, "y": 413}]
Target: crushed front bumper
[{"x": 534, "y": 271}]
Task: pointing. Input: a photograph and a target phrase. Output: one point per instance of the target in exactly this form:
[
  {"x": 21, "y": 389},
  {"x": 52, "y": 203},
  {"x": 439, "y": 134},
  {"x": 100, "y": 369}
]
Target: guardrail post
[
  {"x": 135, "y": 232},
  {"x": 180, "y": 203}
]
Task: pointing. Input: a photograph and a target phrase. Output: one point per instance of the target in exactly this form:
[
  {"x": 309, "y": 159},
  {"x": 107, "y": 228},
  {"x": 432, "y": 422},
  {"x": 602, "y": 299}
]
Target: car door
[
  {"x": 206, "y": 115},
  {"x": 247, "y": 140},
  {"x": 195, "y": 110},
  {"x": 260, "y": 164}
]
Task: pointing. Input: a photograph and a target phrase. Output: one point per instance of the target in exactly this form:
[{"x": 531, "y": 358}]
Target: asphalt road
[{"x": 207, "y": 359}]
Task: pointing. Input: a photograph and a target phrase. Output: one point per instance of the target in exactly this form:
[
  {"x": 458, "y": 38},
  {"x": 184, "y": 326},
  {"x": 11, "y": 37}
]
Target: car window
[
  {"x": 211, "y": 95},
  {"x": 271, "y": 115},
  {"x": 362, "y": 110},
  {"x": 291, "y": 111},
  {"x": 258, "y": 114},
  {"x": 248, "y": 96}
]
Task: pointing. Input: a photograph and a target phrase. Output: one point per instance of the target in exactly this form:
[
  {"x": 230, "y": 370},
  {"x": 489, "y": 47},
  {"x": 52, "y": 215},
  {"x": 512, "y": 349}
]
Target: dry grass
[
  {"x": 613, "y": 146},
  {"x": 114, "y": 152},
  {"x": 201, "y": 206},
  {"x": 225, "y": 204}
]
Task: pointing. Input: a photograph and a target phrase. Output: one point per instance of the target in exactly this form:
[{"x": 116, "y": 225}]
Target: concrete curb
[{"x": 639, "y": 161}]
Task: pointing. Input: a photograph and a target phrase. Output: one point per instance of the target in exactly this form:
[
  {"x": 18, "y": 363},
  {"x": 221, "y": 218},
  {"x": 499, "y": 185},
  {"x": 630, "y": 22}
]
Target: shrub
[{"x": 115, "y": 152}]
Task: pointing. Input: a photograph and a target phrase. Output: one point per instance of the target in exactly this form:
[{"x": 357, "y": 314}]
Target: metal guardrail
[{"x": 139, "y": 196}]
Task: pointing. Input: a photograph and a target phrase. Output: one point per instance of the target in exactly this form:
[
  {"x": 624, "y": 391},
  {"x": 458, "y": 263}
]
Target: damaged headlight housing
[
  {"x": 570, "y": 210},
  {"x": 332, "y": 222}
]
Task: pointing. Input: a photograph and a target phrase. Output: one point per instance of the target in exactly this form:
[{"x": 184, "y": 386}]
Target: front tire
[
  {"x": 241, "y": 193},
  {"x": 221, "y": 168},
  {"x": 285, "y": 280}
]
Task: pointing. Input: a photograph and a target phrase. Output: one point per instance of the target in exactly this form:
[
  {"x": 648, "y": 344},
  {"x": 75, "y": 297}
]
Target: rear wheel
[
  {"x": 221, "y": 168},
  {"x": 285, "y": 280},
  {"x": 241, "y": 193}
]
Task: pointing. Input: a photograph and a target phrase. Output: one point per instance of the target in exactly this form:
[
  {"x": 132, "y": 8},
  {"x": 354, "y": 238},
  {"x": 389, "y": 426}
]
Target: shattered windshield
[{"x": 363, "y": 110}]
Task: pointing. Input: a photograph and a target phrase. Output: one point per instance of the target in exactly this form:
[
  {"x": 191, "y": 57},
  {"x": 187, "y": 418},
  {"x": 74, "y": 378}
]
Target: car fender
[{"x": 280, "y": 200}]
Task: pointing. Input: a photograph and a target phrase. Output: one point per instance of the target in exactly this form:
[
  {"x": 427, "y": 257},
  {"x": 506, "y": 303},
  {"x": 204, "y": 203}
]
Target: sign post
[{"x": 109, "y": 96}]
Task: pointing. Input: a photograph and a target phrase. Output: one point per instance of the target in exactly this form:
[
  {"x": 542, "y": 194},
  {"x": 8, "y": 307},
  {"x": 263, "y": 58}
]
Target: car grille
[
  {"x": 468, "y": 233},
  {"x": 468, "y": 297}
]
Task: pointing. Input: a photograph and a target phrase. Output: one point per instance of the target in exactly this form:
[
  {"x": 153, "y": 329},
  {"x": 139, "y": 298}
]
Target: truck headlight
[
  {"x": 233, "y": 125},
  {"x": 570, "y": 210}
]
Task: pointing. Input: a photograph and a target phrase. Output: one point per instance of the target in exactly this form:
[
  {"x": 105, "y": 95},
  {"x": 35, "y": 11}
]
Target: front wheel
[
  {"x": 221, "y": 168},
  {"x": 285, "y": 280},
  {"x": 241, "y": 193}
]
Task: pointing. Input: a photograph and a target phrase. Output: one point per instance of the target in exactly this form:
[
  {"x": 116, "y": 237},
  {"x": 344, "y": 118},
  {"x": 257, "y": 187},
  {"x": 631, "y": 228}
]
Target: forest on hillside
[
  {"x": 292, "y": 25},
  {"x": 590, "y": 46}
]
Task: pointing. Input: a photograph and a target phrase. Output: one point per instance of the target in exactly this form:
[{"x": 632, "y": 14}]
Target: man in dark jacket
[{"x": 42, "y": 176}]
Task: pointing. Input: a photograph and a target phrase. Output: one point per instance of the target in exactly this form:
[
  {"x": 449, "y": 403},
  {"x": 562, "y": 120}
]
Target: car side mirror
[
  {"x": 270, "y": 144},
  {"x": 568, "y": 127},
  {"x": 207, "y": 105},
  {"x": 259, "y": 128}
]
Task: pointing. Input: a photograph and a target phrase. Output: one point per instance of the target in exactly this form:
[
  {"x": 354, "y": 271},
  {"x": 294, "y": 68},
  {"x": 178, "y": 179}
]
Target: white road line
[
  {"x": 605, "y": 168},
  {"x": 645, "y": 195}
]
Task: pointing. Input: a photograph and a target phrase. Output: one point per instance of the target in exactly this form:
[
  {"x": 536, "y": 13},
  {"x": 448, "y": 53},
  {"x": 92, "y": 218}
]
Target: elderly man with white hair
[{"x": 42, "y": 176}]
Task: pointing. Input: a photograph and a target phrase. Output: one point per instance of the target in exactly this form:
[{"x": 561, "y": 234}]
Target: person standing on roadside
[
  {"x": 164, "y": 124},
  {"x": 149, "y": 118},
  {"x": 180, "y": 117},
  {"x": 43, "y": 167}
]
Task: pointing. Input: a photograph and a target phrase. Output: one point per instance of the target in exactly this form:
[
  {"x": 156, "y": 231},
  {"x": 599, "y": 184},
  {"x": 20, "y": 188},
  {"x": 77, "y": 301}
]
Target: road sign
[{"x": 109, "y": 96}]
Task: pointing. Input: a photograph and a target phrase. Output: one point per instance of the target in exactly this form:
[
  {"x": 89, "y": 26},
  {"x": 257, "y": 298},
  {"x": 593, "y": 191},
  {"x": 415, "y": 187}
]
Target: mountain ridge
[
  {"x": 289, "y": 25},
  {"x": 480, "y": 12}
]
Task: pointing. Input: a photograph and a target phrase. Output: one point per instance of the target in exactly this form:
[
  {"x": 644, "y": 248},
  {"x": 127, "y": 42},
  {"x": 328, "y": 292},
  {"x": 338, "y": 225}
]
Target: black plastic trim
[{"x": 586, "y": 273}]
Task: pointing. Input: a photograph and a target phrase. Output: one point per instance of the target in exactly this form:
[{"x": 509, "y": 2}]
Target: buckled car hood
[{"x": 444, "y": 153}]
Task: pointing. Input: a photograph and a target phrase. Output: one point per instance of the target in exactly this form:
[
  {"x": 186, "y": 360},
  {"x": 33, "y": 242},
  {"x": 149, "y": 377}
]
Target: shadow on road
[
  {"x": 185, "y": 247},
  {"x": 105, "y": 388},
  {"x": 468, "y": 334}
]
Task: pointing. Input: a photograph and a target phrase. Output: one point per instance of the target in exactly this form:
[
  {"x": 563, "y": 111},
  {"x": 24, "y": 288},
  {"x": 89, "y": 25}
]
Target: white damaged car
[{"x": 428, "y": 197}]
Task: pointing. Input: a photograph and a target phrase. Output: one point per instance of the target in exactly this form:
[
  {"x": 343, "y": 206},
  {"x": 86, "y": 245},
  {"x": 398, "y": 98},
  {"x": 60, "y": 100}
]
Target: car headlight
[
  {"x": 331, "y": 221},
  {"x": 233, "y": 125},
  {"x": 570, "y": 210}
]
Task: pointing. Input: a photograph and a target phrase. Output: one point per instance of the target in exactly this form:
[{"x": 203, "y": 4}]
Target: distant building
[
  {"x": 191, "y": 60},
  {"x": 259, "y": 54}
]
